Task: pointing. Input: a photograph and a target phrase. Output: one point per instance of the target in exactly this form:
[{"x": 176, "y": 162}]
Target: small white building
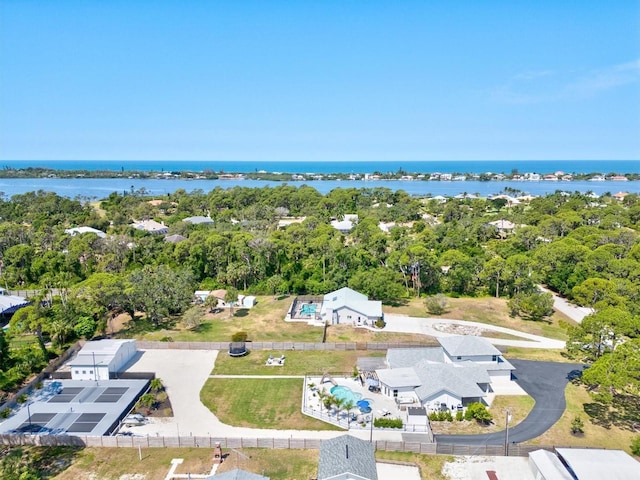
[
  {"x": 99, "y": 359},
  {"x": 346, "y": 306},
  {"x": 151, "y": 226}
]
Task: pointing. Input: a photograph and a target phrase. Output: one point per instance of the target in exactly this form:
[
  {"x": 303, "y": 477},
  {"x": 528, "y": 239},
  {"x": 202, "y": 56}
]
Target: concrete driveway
[
  {"x": 432, "y": 327},
  {"x": 545, "y": 382}
]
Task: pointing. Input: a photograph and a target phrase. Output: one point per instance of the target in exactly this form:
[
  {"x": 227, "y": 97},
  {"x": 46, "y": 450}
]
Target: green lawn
[
  {"x": 296, "y": 363},
  {"x": 258, "y": 403},
  {"x": 539, "y": 354},
  {"x": 595, "y": 435}
]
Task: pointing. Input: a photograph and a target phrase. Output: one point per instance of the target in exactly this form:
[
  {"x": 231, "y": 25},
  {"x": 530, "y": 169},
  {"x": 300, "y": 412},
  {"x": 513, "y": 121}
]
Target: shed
[{"x": 98, "y": 360}]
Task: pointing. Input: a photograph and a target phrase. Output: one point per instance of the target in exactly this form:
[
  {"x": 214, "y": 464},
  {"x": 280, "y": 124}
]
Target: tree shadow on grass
[
  {"x": 624, "y": 412},
  {"x": 43, "y": 462}
]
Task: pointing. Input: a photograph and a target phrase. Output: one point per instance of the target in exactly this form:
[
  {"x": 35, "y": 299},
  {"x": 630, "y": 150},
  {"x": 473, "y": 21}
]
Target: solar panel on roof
[
  {"x": 72, "y": 390},
  {"x": 80, "y": 427},
  {"x": 62, "y": 398},
  {"x": 42, "y": 417},
  {"x": 115, "y": 390},
  {"x": 90, "y": 417},
  {"x": 108, "y": 398}
]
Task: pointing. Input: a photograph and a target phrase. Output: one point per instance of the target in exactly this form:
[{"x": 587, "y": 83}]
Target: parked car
[{"x": 134, "y": 420}]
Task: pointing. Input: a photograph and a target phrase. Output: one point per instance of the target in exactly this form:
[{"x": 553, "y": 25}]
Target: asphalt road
[{"x": 545, "y": 382}]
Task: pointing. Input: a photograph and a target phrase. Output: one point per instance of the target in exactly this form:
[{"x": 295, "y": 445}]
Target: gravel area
[{"x": 476, "y": 468}]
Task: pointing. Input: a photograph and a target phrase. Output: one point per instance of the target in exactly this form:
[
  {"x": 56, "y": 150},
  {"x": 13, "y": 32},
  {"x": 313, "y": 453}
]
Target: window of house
[
  {"x": 458, "y": 358},
  {"x": 90, "y": 372},
  {"x": 77, "y": 372},
  {"x": 84, "y": 372},
  {"x": 395, "y": 393},
  {"x": 494, "y": 358}
]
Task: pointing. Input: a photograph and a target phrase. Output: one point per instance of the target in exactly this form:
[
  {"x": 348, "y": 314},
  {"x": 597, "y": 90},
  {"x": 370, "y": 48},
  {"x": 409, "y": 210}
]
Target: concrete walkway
[{"x": 429, "y": 326}]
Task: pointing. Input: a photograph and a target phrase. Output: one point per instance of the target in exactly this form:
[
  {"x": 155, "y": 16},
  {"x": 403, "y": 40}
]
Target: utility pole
[{"x": 506, "y": 433}]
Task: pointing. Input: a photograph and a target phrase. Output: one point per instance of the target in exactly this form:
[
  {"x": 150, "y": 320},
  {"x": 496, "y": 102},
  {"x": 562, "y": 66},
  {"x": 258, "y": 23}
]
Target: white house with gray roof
[
  {"x": 346, "y": 306},
  {"x": 346, "y": 458},
  {"x": 198, "y": 220},
  {"x": 457, "y": 373}
]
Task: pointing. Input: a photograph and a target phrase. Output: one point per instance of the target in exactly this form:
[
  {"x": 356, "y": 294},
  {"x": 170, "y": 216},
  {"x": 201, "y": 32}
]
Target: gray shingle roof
[
  {"x": 399, "y": 377},
  {"x": 408, "y": 357},
  {"x": 346, "y": 454},
  {"x": 237, "y": 475},
  {"x": 467, "y": 345},
  {"x": 462, "y": 381},
  {"x": 197, "y": 220}
]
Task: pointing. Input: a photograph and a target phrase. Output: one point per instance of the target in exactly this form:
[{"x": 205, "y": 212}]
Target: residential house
[
  {"x": 151, "y": 226},
  {"x": 9, "y": 304},
  {"x": 174, "y": 239},
  {"x": 346, "y": 458},
  {"x": 346, "y": 224},
  {"x": 453, "y": 375},
  {"x": 198, "y": 220},
  {"x": 80, "y": 230},
  {"x": 618, "y": 178},
  {"x": 503, "y": 226},
  {"x": 285, "y": 222},
  {"x": 348, "y": 306}
]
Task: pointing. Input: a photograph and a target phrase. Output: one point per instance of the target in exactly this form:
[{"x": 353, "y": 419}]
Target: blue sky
[{"x": 319, "y": 80}]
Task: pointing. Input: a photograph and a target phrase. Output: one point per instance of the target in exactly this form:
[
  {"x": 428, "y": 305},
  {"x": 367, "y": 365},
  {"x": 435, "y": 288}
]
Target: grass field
[
  {"x": 519, "y": 406},
  {"x": 265, "y": 322},
  {"x": 118, "y": 463},
  {"x": 594, "y": 436},
  {"x": 296, "y": 363},
  {"x": 257, "y": 403},
  {"x": 124, "y": 463},
  {"x": 488, "y": 310},
  {"x": 538, "y": 354}
]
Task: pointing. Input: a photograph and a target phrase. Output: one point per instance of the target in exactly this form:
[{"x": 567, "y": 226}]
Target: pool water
[
  {"x": 345, "y": 394},
  {"x": 308, "y": 309}
]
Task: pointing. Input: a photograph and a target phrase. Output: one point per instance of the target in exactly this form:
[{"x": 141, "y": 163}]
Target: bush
[
  {"x": 167, "y": 412},
  {"x": 459, "y": 416},
  {"x": 239, "y": 337},
  {"x": 22, "y": 398},
  {"x": 577, "y": 425},
  {"x": 437, "y": 304},
  {"x": 387, "y": 423},
  {"x": 635, "y": 445},
  {"x": 5, "y": 413},
  {"x": 477, "y": 411},
  {"x": 380, "y": 323},
  {"x": 449, "y": 417}
]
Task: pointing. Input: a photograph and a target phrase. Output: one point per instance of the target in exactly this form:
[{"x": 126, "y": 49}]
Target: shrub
[
  {"x": 387, "y": 423},
  {"x": 166, "y": 339},
  {"x": 239, "y": 337},
  {"x": 449, "y": 417},
  {"x": 433, "y": 416},
  {"x": 436, "y": 304},
  {"x": 380, "y": 323},
  {"x": 22, "y": 398},
  {"x": 5, "y": 412},
  {"x": 477, "y": 411},
  {"x": 635, "y": 445},
  {"x": 459, "y": 416},
  {"x": 577, "y": 425},
  {"x": 167, "y": 412}
]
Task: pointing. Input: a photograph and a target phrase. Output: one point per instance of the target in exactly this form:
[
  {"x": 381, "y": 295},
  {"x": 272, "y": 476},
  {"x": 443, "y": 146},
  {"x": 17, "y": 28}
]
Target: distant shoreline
[{"x": 553, "y": 175}]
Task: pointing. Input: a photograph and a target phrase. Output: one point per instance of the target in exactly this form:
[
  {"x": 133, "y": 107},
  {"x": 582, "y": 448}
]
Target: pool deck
[{"x": 377, "y": 401}]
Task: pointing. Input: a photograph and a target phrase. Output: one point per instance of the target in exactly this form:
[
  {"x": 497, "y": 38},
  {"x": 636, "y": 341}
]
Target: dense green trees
[{"x": 585, "y": 249}]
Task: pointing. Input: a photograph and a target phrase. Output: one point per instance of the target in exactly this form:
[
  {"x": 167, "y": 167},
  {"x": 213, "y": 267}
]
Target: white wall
[
  {"x": 434, "y": 401},
  {"x": 89, "y": 372}
]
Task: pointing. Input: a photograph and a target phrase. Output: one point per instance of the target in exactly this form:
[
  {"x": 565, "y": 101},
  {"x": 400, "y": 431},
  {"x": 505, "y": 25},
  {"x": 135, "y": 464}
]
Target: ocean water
[{"x": 466, "y": 166}]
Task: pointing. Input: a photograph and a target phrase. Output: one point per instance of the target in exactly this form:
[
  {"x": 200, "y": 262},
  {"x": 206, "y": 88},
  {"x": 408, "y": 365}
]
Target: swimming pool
[
  {"x": 345, "y": 394},
  {"x": 308, "y": 309}
]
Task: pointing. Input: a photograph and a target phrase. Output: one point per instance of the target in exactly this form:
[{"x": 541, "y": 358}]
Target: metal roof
[
  {"x": 348, "y": 298},
  {"x": 549, "y": 465},
  {"x": 596, "y": 463},
  {"x": 11, "y": 303}
]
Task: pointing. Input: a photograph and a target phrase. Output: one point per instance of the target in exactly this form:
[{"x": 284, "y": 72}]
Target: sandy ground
[
  {"x": 387, "y": 471},
  {"x": 476, "y": 468}
]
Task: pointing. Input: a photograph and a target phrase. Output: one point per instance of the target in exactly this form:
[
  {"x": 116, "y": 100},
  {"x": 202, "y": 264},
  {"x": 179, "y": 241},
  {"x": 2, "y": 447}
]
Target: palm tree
[{"x": 348, "y": 406}]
